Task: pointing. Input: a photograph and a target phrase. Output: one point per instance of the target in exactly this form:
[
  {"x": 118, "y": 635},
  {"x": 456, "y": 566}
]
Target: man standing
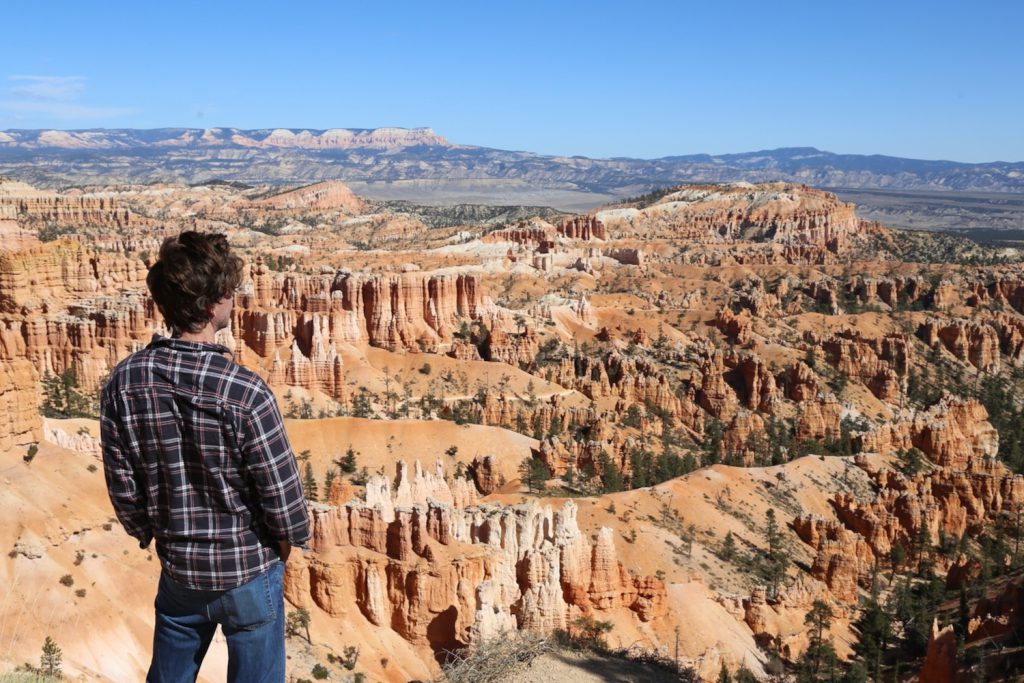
[{"x": 196, "y": 457}]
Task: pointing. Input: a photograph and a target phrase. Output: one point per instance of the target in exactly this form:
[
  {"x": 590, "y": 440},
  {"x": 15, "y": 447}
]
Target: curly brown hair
[{"x": 194, "y": 271}]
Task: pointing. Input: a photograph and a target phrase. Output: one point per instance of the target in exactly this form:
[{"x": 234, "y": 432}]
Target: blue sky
[{"x": 935, "y": 80}]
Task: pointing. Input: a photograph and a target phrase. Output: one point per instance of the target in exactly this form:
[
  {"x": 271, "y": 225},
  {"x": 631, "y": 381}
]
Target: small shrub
[
  {"x": 79, "y": 557},
  {"x": 425, "y": 369},
  {"x": 31, "y": 453},
  {"x": 320, "y": 672},
  {"x": 92, "y": 467},
  {"x": 590, "y": 632},
  {"x": 67, "y": 580},
  {"x": 297, "y": 623},
  {"x": 351, "y": 657},
  {"x": 80, "y": 592}
]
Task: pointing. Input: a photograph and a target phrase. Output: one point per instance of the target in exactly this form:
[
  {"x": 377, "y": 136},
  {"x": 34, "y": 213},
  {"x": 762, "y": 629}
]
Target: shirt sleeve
[
  {"x": 271, "y": 463},
  {"x": 124, "y": 486}
]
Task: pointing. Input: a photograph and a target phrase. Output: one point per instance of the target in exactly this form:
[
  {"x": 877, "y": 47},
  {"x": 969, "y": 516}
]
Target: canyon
[{"x": 554, "y": 418}]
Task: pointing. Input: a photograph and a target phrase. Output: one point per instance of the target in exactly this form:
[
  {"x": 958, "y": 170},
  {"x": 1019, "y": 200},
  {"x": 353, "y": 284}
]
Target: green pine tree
[
  {"x": 534, "y": 473},
  {"x": 348, "y": 464},
  {"x": 329, "y": 481},
  {"x": 49, "y": 661},
  {"x": 309, "y": 482},
  {"x": 714, "y": 433},
  {"x": 875, "y": 628},
  {"x": 729, "y": 547},
  {"x": 611, "y": 477}
]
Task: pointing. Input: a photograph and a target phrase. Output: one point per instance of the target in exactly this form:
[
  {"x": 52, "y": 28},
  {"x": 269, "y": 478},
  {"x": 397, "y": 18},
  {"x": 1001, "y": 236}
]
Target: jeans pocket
[{"x": 253, "y": 604}]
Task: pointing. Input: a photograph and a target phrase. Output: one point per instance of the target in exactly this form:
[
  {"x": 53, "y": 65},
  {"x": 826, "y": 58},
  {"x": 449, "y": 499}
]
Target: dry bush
[{"x": 494, "y": 661}]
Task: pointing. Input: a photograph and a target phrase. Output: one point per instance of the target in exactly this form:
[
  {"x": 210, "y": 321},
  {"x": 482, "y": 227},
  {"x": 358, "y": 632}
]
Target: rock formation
[
  {"x": 798, "y": 217},
  {"x": 940, "y": 661},
  {"x": 326, "y": 196},
  {"x": 19, "y": 404},
  {"x": 39, "y": 207},
  {"x": 972, "y": 342},
  {"x": 880, "y": 363},
  {"x": 443, "y": 571},
  {"x": 953, "y": 433},
  {"x": 956, "y": 498},
  {"x": 582, "y": 228}
]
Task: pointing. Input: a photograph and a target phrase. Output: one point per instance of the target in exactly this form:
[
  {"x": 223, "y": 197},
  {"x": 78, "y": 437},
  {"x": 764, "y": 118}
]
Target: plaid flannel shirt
[{"x": 196, "y": 456}]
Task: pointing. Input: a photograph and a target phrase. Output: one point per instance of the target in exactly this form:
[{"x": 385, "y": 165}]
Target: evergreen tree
[
  {"x": 723, "y": 674},
  {"x": 556, "y": 426},
  {"x": 914, "y": 605},
  {"x": 856, "y": 673},
  {"x": 309, "y": 488},
  {"x": 820, "y": 654},
  {"x": 963, "y": 615},
  {"x": 819, "y": 662},
  {"x": 780, "y": 441},
  {"x": 329, "y": 481},
  {"x": 348, "y": 464},
  {"x": 875, "y": 628},
  {"x": 362, "y": 403},
  {"x": 757, "y": 443},
  {"x": 777, "y": 561},
  {"x": 729, "y": 547},
  {"x": 912, "y": 461},
  {"x": 61, "y": 397},
  {"x": 611, "y": 477},
  {"x": 639, "y": 462},
  {"x": 714, "y": 433},
  {"x": 772, "y": 535},
  {"x": 49, "y": 661},
  {"x": 819, "y": 619},
  {"x": 745, "y": 675},
  {"x": 534, "y": 473},
  {"x": 922, "y": 543},
  {"x": 897, "y": 556},
  {"x": 669, "y": 465}
]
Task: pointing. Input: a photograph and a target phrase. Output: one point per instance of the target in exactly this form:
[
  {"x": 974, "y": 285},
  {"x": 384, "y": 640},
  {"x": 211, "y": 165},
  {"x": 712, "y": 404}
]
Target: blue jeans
[{"x": 251, "y": 617}]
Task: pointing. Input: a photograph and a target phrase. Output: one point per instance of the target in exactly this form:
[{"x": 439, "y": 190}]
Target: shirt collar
[{"x": 159, "y": 341}]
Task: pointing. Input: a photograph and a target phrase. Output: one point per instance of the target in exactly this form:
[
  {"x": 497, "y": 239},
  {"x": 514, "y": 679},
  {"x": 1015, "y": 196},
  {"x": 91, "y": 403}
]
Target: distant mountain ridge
[
  {"x": 281, "y": 138},
  {"x": 412, "y": 159}
]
